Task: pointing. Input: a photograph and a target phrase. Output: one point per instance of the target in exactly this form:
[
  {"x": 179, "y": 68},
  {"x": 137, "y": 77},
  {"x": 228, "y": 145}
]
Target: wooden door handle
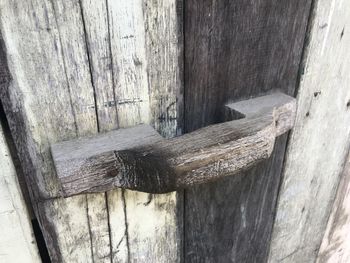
[{"x": 138, "y": 158}]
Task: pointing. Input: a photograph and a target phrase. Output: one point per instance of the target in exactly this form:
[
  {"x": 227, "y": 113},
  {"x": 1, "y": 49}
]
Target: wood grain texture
[
  {"x": 128, "y": 51},
  {"x": 83, "y": 96},
  {"x": 37, "y": 103},
  {"x": 139, "y": 159},
  {"x": 38, "y": 31},
  {"x": 95, "y": 21},
  {"x": 200, "y": 157},
  {"x": 68, "y": 81},
  {"x": 146, "y": 50},
  {"x": 129, "y": 58},
  {"x": 319, "y": 142},
  {"x": 335, "y": 246},
  {"x": 164, "y": 48},
  {"x": 242, "y": 48},
  {"x": 17, "y": 241}
]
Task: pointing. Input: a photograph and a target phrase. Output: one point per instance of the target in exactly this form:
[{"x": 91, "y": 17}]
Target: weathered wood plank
[
  {"x": 69, "y": 19},
  {"x": 33, "y": 44},
  {"x": 242, "y": 48},
  {"x": 98, "y": 28},
  {"x": 139, "y": 159},
  {"x": 164, "y": 48},
  {"x": 95, "y": 19},
  {"x": 97, "y": 33},
  {"x": 129, "y": 58},
  {"x": 84, "y": 83},
  {"x": 50, "y": 98},
  {"x": 320, "y": 140},
  {"x": 17, "y": 241},
  {"x": 335, "y": 246},
  {"x": 146, "y": 54}
]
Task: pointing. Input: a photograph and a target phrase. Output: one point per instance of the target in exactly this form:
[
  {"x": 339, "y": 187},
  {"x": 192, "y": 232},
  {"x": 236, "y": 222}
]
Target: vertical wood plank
[
  {"x": 76, "y": 64},
  {"x": 97, "y": 33},
  {"x": 131, "y": 91},
  {"x": 144, "y": 61},
  {"x": 37, "y": 103},
  {"x": 132, "y": 98},
  {"x": 120, "y": 245},
  {"x": 319, "y": 141},
  {"x": 78, "y": 54},
  {"x": 234, "y": 50},
  {"x": 95, "y": 19},
  {"x": 68, "y": 80},
  {"x": 65, "y": 227},
  {"x": 50, "y": 98},
  {"x": 335, "y": 246},
  {"x": 126, "y": 23},
  {"x": 164, "y": 49},
  {"x": 146, "y": 51},
  {"x": 17, "y": 241},
  {"x": 98, "y": 37},
  {"x": 98, "y": 225},
  {"x": 32, "y": 46}
]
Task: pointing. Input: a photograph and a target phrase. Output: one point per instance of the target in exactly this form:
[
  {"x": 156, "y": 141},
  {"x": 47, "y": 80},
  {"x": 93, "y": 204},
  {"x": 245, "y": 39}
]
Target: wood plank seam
[
  {"x": 319, "y": 142},
  {"x": 98, "y": 129},
  {"x": 48, "y": 113},
  {"x": 242, "y": 48}
]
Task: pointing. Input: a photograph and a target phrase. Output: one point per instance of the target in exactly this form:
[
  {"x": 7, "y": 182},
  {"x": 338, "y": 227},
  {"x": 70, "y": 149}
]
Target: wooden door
[
  {"x": 74, "y": 68},
  {"x": 234, "y": 50},
  {"x": 79, "y": 67}
]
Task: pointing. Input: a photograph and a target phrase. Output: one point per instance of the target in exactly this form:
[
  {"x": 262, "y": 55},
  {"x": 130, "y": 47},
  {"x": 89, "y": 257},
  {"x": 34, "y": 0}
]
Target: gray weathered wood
[
  {"x": 37, "y": 102},
  {"x": 139, "y": 159},
  {"x": 319, "y": 143},
  {"x": 95, "y": 23},
  {"x": 147, "y": 59},
  {"x": 86, "y": 94},
  {"x": 242, "y": 48},
  {"x": 335, "y": 246},
  {"x": 17, "y": 241},
  {"x": 73, "y": 71}
]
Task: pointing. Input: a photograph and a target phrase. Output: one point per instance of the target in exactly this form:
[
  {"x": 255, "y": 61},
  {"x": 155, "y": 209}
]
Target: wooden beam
[{"x": 140, "y": 159}]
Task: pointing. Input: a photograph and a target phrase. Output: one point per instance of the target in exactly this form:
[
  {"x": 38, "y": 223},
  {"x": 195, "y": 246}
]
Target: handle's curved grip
[{"x": 140, "y": 159}]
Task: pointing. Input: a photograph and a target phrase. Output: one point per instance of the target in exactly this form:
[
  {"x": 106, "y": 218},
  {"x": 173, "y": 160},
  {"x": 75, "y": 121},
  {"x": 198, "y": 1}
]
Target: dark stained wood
[
  {"x": 242, "y": 48},
  {"x": 140, "y": 159}
]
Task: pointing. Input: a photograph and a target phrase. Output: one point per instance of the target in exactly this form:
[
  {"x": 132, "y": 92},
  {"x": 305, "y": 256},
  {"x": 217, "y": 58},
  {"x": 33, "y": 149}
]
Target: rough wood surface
[
  {"x": 146, "y": 46},
  {"x": 139, "y": 159},
  {"x": 77, "y": 67},
  {"x": 200, "y": 157},
  {"x": 319, "y": 142},
  {"x": 242, "y": 48},
  {"x": 42, "y": 106},
  {"x": 97, "y": 35},
  {"x": 17, "y": 241},
  {"x": 335, "y": 246}
]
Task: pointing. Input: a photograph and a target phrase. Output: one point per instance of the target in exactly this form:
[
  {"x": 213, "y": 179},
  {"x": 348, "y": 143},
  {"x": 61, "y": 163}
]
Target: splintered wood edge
[{"x": 138, "y": 158}]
